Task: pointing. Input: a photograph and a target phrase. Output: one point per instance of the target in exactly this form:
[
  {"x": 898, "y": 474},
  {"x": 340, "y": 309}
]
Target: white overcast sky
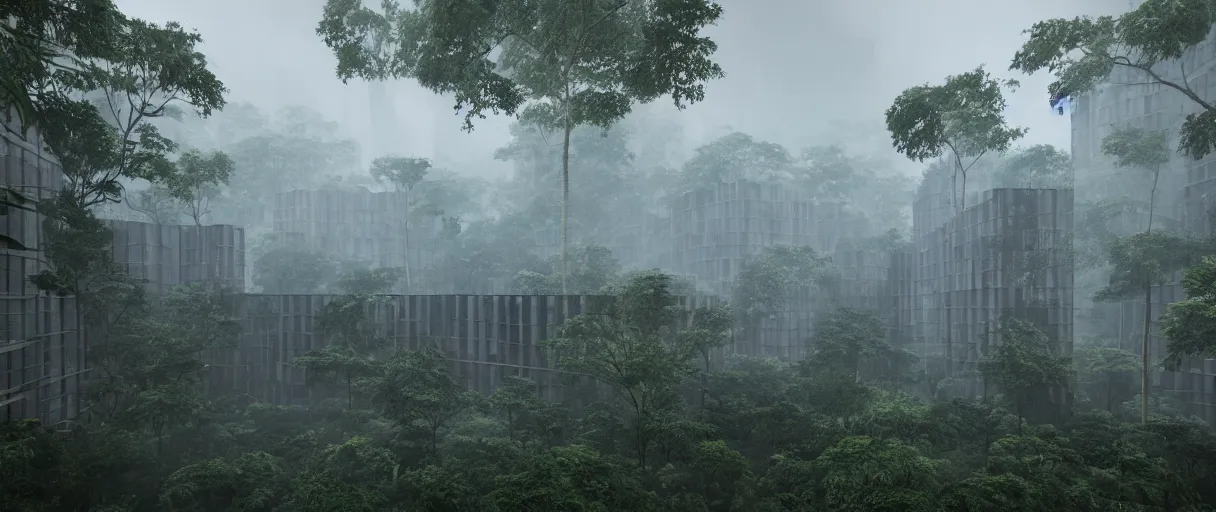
[{"x": 796, "y": 68}]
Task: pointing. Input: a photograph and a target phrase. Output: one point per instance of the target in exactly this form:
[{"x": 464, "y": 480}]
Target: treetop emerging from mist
[
  {"x": 965, "y": 114},
  {"x": 593, "y": 58},
  {"x": 1083, "y": 52}
]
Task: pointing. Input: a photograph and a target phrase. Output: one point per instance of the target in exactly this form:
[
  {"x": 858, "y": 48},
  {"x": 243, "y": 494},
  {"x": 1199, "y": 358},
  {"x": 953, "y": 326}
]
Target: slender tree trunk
[
  {"x": 954, "y": 190},
  {"x": 565, "y": 201},
  {"x": 1148, "y": 309},
  {"x": 962, "y": 200}
]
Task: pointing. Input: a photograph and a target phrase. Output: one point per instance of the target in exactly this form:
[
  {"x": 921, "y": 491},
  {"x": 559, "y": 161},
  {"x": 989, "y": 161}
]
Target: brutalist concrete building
[
  {"x": 42, "y": 348},
  {"x": 356, "y": 224},
  {"x": 165, "y": 255},
  {"x": 1185, "y": 199},
  {"x": 1005, "y": 255},
  {"x": 716, "y": 229}
]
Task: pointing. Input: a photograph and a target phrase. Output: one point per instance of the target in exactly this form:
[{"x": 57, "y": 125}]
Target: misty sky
[{"x": 797, "y": 69}]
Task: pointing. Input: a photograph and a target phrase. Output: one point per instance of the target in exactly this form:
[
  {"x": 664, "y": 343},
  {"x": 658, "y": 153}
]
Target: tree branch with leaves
[
  {"x": 1144, "y": 44},
  {"x": 152, "y": 72},
  {"x": 198, "y": 179}
]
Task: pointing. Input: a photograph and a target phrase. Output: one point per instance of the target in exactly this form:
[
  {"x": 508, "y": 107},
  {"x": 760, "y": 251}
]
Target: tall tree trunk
[
  {"x": 962, "y": 200},
  {"x": 1148, "y": 308},
  {"x": 565, "y": 201},
  {"x": 954, "y": 189},
  {"x": 959, "y": 205}
]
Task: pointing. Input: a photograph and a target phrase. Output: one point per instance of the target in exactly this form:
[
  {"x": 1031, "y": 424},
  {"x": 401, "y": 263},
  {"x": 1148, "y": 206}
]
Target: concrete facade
[
  {"x": 165, "y": 256},
  {"x": 1005, "y": 255},
  {"x": 486, "y": 338},
  {"x": 358, "y": 225},
  {"x": 1186, "y": 197},
  {"x": 715, "y": 230},
  {"x": 43, "y": 362}
]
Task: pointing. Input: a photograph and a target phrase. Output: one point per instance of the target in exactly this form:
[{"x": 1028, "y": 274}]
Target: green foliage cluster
[
  {"x": 1037, "y": 166},
  {"x": 656, "y": 420},
  {"x": 94, "y": 90},
  {"x": 1104, "y": 372},
  {"x": 1190, "y": 325},
  {"x": 272, "y": 152},
  {"x": 1148, "y": 259},
  {"x": 283, "y": 269}
]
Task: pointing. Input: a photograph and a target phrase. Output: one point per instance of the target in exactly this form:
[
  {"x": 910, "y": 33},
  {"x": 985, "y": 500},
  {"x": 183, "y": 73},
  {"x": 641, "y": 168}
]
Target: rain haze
[
  {"x": 862, "y": 272},
  {"x": 796, "y": 71}
]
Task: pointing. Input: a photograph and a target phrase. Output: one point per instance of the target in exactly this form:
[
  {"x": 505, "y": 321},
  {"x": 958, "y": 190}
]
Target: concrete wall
[
  {"x": 1186, "y": 198},
  {"x": 486, "y": 337},
  {"x": 42, "y": 349},
  {"x": 901, "y": 286},
  {"x": 1005, "y": 255},
  {"x": 865, "y": 279},
  {"x": 1152, "y": 107},
  {"x": 716, "y": 230},
  {"x": 357, "y": 225},
  {"x": 169, "y": 255}
]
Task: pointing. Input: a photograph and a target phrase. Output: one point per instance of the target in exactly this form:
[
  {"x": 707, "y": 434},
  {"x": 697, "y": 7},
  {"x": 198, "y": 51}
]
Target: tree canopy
[
  {"x": 1143, "y": 45},
  {"x": 558, "y": 64},
  {"x": 1190, "y": 325},
  {"x": 965, "y": 116},
  {"x": 599, "y": 56}
]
